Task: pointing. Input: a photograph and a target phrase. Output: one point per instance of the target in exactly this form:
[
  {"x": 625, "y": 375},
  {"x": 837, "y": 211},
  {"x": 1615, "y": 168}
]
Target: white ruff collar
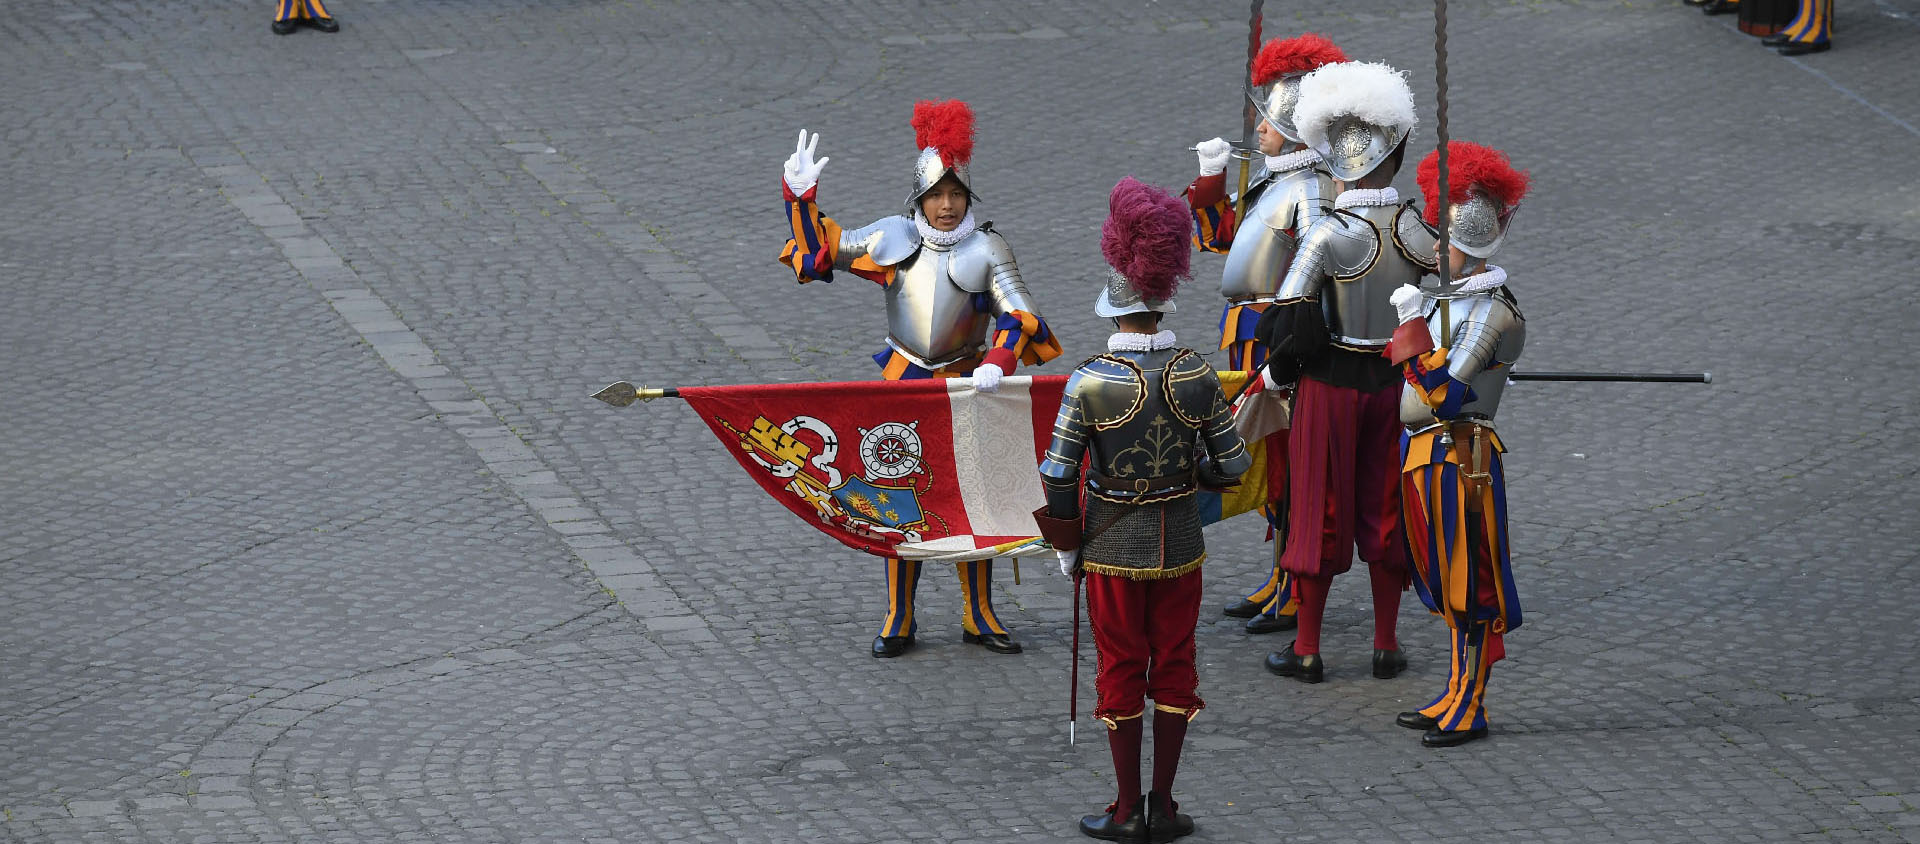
[
  {"x": 1292, "y": 161},
  {"x": 1482, "y": 281},
  {"x": 1128, "y": 341},
  {"x": 1363, "y": 196},
  {"x": 929, "y": 234}
]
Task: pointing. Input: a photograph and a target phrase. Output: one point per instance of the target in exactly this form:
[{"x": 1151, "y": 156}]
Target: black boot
[
  {"x": 1108, "y": 827},
  {"x": 323, "y": 24},
  {"x": 1416, "y": 720},
  {"x": 1437, "y": 737},
  {"x": 1243, "y": 609},
  {"x": 1306, "y": 669},
  {"x": 1263, "y": 624},
  {"x": 999, "y": 643},
  {"x": 285, "y": 27},
  {"x": 1801, "y": 48},
  {"x": 1165, "y": 821},
  {"x": 1778, "y": 39},
  {"x": 1388, "y": 664},
  {"x": 887, "y": 647}
]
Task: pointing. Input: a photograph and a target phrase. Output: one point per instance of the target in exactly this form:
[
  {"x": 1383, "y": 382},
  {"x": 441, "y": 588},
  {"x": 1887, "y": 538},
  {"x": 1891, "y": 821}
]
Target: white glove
[
  {"x": 1408, "y": 303},
  {"x": 986, "y": 377},
  {"x": 1067, "y": 560},
  {"x": 1271, "y": 386},
  {"x": 801, "y": 171},
  {"x": 1213, "y": 156}
]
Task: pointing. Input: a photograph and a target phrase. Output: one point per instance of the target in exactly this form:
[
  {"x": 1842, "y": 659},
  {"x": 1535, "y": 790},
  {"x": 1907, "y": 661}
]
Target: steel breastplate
[
  {"x": 1264, "y": 244},
  {"x": 1140, "y": 425},
  {"x": 1371, "y": 265},
  {"x": 1490, "y": 383},
  {"x": 930, "y": 317}
]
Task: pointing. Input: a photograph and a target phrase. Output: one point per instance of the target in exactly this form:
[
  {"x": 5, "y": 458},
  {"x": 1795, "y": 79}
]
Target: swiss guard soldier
[
  {"x": 1148, "y": 425},
  {"x": 956, "y": 307},
  {"x": 1332, "y": 319},
  {"x": 1291, "y": 191},
  {"x": 1457, "y": 343}
]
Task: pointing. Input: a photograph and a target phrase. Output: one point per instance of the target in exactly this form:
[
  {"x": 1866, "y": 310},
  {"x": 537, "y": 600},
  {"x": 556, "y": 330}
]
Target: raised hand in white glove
[
  {"x": 1213, "y": 156},
  {"x": 1068, "y": 559},
  {"x": 1408, "y": 303},
  {"x": 986, "y": 377},
  {"x": 802, "y": 172}
]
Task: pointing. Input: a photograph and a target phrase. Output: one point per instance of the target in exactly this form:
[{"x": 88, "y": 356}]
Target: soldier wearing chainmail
[
  {"x": 956, "y": 307},
  {"x": 1283, "y": 199},
  {"x": 1145, "y": 425},
  {"x": 1456, "y": 344},
  {"x": 1332, "y": 319}
]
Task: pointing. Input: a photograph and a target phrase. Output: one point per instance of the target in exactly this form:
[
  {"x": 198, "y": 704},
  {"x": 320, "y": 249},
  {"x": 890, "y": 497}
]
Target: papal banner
[{"x": 922, "y": 470}]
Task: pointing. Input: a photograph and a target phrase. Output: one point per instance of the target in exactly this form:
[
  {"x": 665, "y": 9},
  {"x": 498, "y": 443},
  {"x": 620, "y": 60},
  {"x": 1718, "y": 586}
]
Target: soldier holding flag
[{"x": 956, "y": 307}]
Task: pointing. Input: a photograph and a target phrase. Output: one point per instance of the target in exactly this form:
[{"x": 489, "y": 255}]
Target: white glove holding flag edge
[
  {"x": 986, "y": 377},
  {"x": 1213, "y": 156},
  {"x": 1068, "y": 559},
  {"x": 801, "y": 171}
]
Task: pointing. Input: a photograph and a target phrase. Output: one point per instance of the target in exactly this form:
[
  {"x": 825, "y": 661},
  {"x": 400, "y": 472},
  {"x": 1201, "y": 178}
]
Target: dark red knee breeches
[
  {"x": 1143, "y": 633},
  {"x": 1344, "y": 459}
]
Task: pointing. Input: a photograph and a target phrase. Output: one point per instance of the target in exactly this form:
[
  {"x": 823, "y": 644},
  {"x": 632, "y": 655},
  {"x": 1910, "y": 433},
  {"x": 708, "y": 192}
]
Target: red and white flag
[{"x": 929, "y": 469}]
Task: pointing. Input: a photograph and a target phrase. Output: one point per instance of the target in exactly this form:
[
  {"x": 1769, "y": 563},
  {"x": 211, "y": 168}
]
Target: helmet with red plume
[
  {"x": 1147, "y": 239},
  {"x": 943, "y": 129},
  {"x": 1483, "y": 191},
  {"x": 1281, "y": 64}
]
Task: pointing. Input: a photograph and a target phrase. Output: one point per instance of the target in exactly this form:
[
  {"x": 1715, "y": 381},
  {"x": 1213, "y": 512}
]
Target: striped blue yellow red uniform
[
  {"x": 300, "y": 10},
  {"x": 1813, "y": 24},
  {"x": 1456, "y": 528},
  {"x": 1017, "y": 336}
]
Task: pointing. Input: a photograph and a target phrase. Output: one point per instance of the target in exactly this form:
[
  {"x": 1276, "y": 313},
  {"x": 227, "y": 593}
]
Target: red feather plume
[
  {"x": 1470, "y": 168},
  {"x": 1299, "y": 54},
  {"x": 945, "y": 125},
  {"x": 1147, "y": 237}
]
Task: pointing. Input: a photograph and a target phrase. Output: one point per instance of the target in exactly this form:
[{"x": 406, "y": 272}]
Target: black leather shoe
[
  {"x": 1244, "y": 609},
  {"x": 1306, "y": 669},
  {"x": 887, "y": 647},
  {"x": 1778, "y": 39},
  {"x": 285, "y": 27},
  {"x": 1721, "y": 7},
  {"x": 323, "y": 24},
  {"x": 1415, "y": 721},
  {"x": 1388, "y": 664},
  {"x": 1108, "y": 828},
  {"x": 1801, "y": 48},
  {"x": 1263, "y": 624},
  {"x": 1165, "y": 821},
  {"x": 999, "y": 643},
  {"x": 1437, "y": 737}
]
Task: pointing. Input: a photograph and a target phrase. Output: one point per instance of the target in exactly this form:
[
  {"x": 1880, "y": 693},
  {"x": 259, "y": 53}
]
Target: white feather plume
[{"x": 1370, "y": 91}]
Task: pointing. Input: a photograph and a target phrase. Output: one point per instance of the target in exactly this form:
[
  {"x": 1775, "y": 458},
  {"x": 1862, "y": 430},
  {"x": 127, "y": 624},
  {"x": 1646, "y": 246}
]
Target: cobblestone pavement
[{"x": 312, "y": 535}]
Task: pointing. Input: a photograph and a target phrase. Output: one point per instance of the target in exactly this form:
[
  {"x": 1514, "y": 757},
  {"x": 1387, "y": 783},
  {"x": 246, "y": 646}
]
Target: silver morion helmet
[
  {"x": 1121, "y": 297},
  {"x": 943, "y": 130},
  {"x": 1479, "y": 225},
  {"x": 1355, "y": 114},
  {"x": 929, "y": 169}
]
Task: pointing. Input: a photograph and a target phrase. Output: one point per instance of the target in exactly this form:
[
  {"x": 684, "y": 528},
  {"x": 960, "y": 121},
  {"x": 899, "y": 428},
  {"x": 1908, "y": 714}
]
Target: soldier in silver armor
[
  {"x": 1146, "y": 426},
  {"x": 956, "y": 307},
  {"x": 1457, "y": 342},
  {"x": 1288, "y": 193},
  {"x": 1331, "y": 320}
]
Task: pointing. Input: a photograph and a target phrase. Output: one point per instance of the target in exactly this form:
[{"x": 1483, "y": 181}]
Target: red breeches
[
  {"x": 1143, "y": 633},
  {"x": 1344, "y": 460}
]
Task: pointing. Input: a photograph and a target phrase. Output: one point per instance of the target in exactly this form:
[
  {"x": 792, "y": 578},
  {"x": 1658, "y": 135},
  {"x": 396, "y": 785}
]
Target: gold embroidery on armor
[
  {"x": 1132, "y": 380},
  {"x": 1158, "y": 448},
  {"x": 1178, "y": 374}
]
